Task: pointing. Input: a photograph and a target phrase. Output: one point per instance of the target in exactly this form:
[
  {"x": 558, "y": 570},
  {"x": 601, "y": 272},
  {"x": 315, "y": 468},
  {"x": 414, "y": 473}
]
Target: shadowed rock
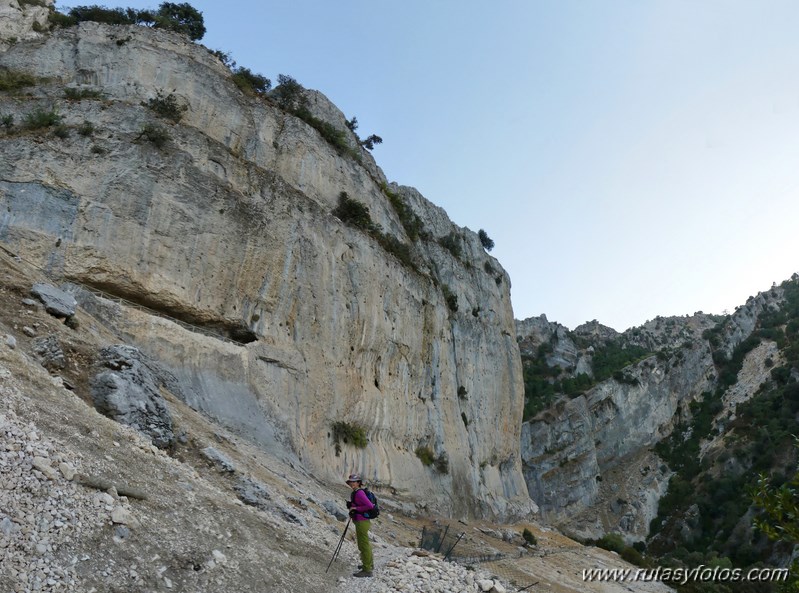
[
  {"x": 126, "y": 389},
  {"x": 56, "y": 301}
]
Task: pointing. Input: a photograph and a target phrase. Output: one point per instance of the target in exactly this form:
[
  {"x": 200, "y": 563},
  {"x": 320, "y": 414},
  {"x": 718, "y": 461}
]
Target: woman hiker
[{"x": 359, "y": 504}]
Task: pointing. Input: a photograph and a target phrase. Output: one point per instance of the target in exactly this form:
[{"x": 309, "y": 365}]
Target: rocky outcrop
[
  {"x": 558, "y": 346},
  {"x": 126, "y": 388},
  {"x": 22, "y": 21},
  {"x": 56, "y": 301},
  {"x": 573, "y": 454},
  {"x": 229, "y": 227}
]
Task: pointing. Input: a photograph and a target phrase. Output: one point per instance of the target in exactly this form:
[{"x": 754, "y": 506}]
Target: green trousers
[{"x": 362, "y": 536}]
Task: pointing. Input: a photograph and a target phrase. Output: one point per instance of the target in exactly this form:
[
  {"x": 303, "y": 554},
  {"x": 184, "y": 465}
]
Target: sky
[{"x": 629, "y": 158}]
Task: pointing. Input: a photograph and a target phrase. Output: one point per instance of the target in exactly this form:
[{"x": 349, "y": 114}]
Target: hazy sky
[{"x": 630, "y": 158}]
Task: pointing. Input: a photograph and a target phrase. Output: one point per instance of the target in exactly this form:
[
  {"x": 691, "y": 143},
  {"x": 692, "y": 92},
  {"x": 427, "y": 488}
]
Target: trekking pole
[{"x": 338, "y": 547}]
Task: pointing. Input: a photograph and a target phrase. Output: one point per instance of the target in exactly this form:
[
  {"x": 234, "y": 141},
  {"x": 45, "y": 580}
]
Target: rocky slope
[
  {"x": 229, "y": 226},
  {"x": 87, "y": 503},
  {"x": 589, "y": 457}
]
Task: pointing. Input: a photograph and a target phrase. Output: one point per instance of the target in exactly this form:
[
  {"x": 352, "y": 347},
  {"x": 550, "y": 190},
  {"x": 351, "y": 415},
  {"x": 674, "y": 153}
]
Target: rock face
[
  {"x": 127, "y": 390},
  {"x": 19, "y": 21},
  {"x": 588, "y": 460},
  {"x": 568, "y": 450},
  {"x": 56, "y": 301},
  {"x": 229, "y": 227}
]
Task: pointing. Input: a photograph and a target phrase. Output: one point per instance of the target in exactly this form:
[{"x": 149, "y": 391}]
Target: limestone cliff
[
  {"x": 229, "y": 226},
  {"x": 588, "y": 458}
]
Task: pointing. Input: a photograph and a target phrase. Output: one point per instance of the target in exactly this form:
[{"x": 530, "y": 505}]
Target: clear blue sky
[{"x": 630, "y": 158}]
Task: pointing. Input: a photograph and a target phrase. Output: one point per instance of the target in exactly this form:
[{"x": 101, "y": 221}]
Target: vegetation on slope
[
  {"x": 543, "y": 383},
  {"x": 706, "y": 515}
]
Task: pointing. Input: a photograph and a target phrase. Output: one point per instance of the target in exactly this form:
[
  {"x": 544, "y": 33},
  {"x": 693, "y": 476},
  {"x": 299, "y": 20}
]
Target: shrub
[
  {"x": 450, "y": 298},
  {"x": 224, "y": 57},
  {"x": 12, "y": 80},
  {"x": 100, "y": 14},
  {"x": 452, "y": 243},
  {"x": 529, "y": 537},
  {"x": 40, "y": 3},
  {"x": 290, "y": 94},
  {"x": 425, "y": 455},
  {"x": 251, "y": 83},
  {"x": 181, "y": 18},
  {"x": 612, "y": 542},
  {"x": 40, "y": 118},
  {"x": 86, "y": 129},
  {"x": 349, "y": 434},
  {"x": 442, "y": 464},
  {"x": 410, "y": 221},
  {"x": 353, "y": 212},
  {"x": 465, "y": 419},
  {"x": 632, "y": 556},
  {"x": 61, "y": 131},
  {"x": 59, "y": 19},
  {"x": 369, "y": 143},
  {"x": 485, "y": 240},
  {"x": 155, "y": 134},
  {"x": 396, "y": 248},
  {"x": 7, "y": 121},
  {"x": 75, "y": 94},
  {"x": 96, "y": 149},
  {"x": 167, "y": 106},
  {"x": 462, "y": 392}
]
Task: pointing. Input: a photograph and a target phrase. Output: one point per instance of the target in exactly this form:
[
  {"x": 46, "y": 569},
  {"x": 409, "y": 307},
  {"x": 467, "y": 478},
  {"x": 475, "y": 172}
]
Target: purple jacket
[{"x": 360, "y": 504}]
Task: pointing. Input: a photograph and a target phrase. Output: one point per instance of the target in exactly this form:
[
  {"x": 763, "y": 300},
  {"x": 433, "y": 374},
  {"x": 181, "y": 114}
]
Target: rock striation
[
  {"x": 588, "y": 459},
  {"x": 228, "y": 226}
]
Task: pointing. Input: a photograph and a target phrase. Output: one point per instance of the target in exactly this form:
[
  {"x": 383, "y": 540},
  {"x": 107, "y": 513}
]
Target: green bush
[
  {"x": 59, "y": 19},
  {"x": 442, "y": 464},
  {"x": 249, "y": 82},
  {"x": 450, "y": 297},
  {"x": 290, "y": 94},
  {"x": 452, "y": 243},
  {"x": 349, "y": 434},
  {"x": 86, "y": 129},
  {"x": 369, "y": 143},
  {"x": 41, "y": 118},
  {"x": 425, "y": 455},
  {"x": 167, "y": 106},
  {"x": 100, "y": 14},
  {"x": 529, "y": 537},
  {"x": 632, "y": 556},
  {"x": 410, "y": 221},
  {"x": 485, "y": 240},
  {"x": 354, "y": 213},
  {"x": 40, "y": 3},
  {"x": 7, "y": 121},
  {"x": 612, "y": 542},
  {"x": 181, "y": 18},
  {"x": 75, "y": 94},
  {"x": 155, "y": 134},
  {"x": 61, "y": 131},
  {"x": 12, "y": 80}
]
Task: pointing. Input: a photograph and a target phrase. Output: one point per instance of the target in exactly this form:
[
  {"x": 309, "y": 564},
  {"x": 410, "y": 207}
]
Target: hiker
[{"x": 358, "y": 504}]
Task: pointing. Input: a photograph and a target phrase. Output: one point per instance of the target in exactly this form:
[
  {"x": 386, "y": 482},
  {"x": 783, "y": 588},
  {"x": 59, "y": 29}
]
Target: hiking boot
[{"x": 363, "y": 573}]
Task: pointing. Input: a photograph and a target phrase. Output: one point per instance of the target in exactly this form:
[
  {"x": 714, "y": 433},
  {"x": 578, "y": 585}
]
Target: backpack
[{"x": 375, "y": 512}]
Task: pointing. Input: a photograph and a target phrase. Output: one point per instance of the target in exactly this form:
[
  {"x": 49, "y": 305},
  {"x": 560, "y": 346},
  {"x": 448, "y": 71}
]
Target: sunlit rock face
[{"x": 229, "y": 227}]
